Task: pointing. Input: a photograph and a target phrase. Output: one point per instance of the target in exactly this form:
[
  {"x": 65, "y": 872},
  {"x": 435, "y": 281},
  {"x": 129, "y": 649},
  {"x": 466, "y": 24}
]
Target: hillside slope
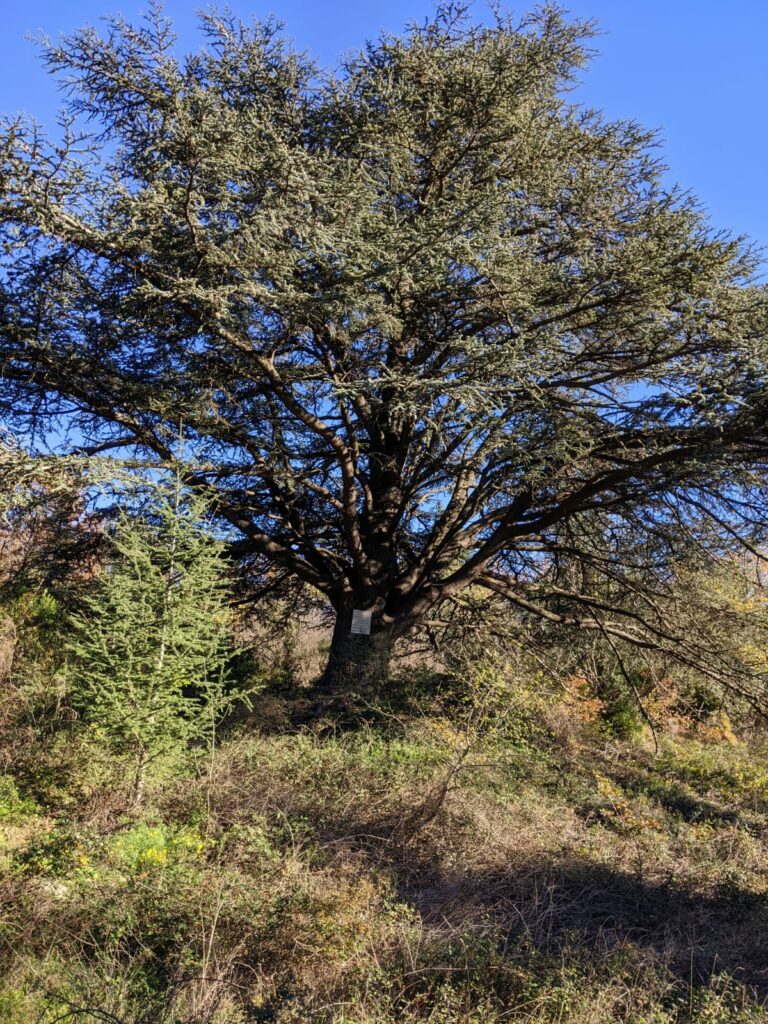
[{"x": 400, "y": 869}]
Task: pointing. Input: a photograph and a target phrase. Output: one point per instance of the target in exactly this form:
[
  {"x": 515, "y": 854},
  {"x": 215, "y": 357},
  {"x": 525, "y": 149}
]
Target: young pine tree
[{"x": 149, "y": 657}]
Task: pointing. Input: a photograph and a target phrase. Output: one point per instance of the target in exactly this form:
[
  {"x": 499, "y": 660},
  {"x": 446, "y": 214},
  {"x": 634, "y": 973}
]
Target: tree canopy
[{"x": 421, "y": 322}]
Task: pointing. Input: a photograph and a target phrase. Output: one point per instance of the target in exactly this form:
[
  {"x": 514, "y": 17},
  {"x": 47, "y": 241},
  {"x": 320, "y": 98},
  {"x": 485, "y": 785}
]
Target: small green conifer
[{"x": 149, "y": 655}]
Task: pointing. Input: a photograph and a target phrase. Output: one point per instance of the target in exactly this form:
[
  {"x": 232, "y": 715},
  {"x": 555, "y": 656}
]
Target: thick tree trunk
[{"x": 358, "y": 663}]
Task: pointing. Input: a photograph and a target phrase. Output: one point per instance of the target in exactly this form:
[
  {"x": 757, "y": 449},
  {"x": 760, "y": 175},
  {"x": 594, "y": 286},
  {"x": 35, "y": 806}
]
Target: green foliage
[
  {"x": 151, "y": 847},
  {"x": 39, "y": 623},
  {"x": 725, "y": 770},
  {"x": 432, "y": 333},
  {"x": 55, "y": 853},
  {"x": 621, "y": 713},
  {"x": 430, "y": 327},
  {"x": 308, "y": 879},
  {"x": 149, "y": 656},
  {"x": 12, "y": 805}
]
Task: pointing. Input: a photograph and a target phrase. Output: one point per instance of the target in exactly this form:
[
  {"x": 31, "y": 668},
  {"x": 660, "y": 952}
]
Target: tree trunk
[{"x": 358, "y": 663}]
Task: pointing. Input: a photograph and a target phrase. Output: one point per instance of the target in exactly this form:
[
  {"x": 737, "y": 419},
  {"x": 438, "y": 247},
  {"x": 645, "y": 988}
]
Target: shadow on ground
[
  {"x": 551, "y": 905},
  {"x": 575, "y": 903}
]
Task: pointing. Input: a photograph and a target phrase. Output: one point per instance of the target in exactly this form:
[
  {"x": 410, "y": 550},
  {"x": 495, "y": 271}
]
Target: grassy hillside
[{"x": 441, "y": 863}]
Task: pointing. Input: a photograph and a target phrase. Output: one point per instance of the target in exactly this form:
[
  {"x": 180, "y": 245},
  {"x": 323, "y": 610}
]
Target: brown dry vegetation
[{"x": 420, "y": 866}]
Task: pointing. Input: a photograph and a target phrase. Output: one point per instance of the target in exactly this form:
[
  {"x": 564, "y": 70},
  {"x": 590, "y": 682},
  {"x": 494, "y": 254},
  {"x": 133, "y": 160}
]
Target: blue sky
[{"x": 695, "y": 69}]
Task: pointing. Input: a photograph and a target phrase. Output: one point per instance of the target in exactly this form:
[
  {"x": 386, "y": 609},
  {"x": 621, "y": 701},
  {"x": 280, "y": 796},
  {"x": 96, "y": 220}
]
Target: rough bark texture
[{"x": 358, "y": 664}]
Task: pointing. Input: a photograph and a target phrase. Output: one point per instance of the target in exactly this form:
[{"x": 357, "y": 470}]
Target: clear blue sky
[{"x": 695, "y": 69}]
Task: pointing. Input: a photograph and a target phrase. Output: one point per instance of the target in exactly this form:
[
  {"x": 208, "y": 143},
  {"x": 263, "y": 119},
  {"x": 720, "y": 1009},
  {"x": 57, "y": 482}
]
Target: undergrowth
[{"x": 423, "y": 864}]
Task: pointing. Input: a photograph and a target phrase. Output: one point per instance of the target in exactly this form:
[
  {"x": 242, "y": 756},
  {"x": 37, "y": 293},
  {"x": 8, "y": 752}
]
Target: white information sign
[{"x": 361, "y": 622}]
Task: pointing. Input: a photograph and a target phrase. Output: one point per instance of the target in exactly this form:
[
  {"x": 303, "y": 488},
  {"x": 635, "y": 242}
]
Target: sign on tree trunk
[{"x": 361, "y": 622}]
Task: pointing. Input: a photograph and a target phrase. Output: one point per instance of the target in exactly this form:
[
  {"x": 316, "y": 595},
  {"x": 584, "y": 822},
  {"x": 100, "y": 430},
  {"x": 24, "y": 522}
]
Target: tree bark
[{"x": 358, "y": 664}]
